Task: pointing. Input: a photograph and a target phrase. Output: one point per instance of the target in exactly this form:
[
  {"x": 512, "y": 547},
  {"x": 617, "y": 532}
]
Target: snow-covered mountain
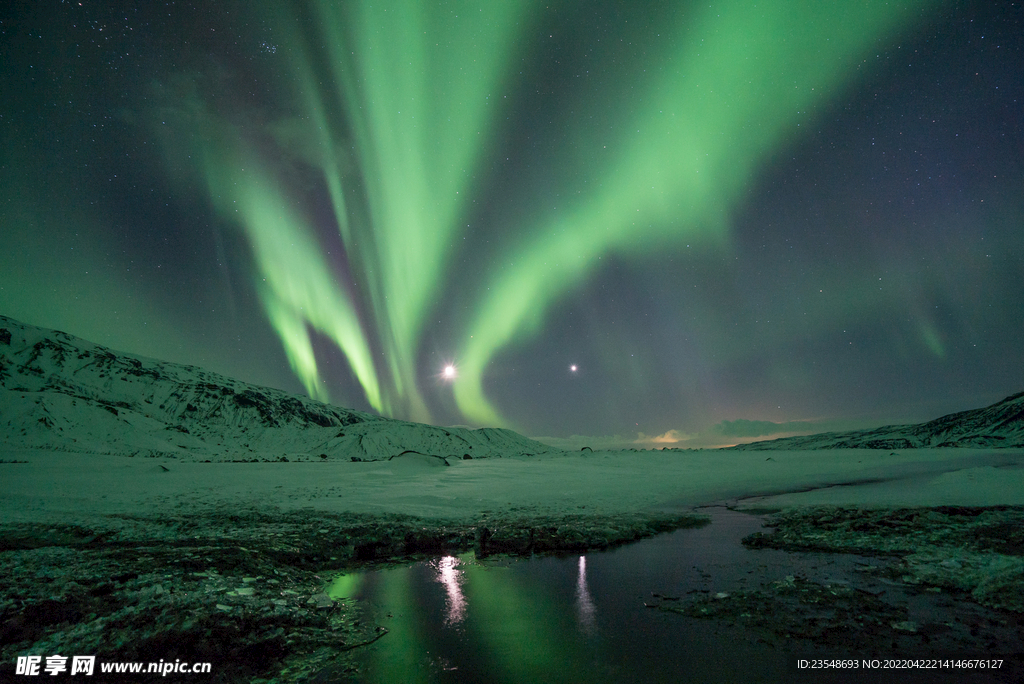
[
  {"x": 998, "y": 425},
  {"x": 64, "y": 393}
]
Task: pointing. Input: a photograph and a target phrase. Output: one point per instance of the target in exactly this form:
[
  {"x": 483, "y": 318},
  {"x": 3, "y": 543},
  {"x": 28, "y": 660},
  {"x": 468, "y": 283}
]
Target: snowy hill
[
  {"x": 63, "y": 393},
  {"x": 998, "y": 425}
]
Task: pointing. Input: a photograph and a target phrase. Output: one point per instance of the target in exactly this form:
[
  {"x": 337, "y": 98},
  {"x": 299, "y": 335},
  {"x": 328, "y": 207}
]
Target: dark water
[{"x": 583, "y": 618}]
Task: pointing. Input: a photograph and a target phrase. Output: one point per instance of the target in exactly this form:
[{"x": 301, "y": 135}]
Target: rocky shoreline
[
  {"x": 942, "y": 581},
  {"x": 243, "y": 590}
]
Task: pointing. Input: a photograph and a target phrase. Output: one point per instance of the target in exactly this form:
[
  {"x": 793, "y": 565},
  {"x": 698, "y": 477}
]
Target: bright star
[
  {"x": 449, "y": 372},
  {"x": 573, "y": 368}
]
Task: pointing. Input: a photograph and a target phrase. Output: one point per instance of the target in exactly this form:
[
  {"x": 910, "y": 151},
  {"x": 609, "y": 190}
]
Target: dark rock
[{"x": 483, "y": 535}]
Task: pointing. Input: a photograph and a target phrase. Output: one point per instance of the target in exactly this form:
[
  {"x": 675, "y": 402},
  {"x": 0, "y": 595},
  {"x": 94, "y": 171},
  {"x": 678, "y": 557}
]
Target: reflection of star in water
[
  {"x": 585, "y": 609},
  {"x": 450, "y": 576}
]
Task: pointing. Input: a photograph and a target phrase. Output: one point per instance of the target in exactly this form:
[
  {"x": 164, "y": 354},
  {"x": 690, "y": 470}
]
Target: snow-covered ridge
[
  {"x": 998, "y": 425},
  {"x": 65, "y": 393}
]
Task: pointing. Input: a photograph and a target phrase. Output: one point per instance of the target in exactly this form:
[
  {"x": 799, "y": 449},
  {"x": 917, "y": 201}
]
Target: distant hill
[
  {"x": 998, "y": 425},
  {"x": 61, "y": 392}
]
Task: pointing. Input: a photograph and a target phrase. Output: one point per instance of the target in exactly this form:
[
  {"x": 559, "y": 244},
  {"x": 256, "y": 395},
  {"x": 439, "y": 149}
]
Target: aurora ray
[
  {"x": 701, "y": 206},
  {"x": 296, "y": 286},
  {"x": 732, "y": 91},
  {"x": 396, "y": 121},
  {"x": 419, "y": 116}
]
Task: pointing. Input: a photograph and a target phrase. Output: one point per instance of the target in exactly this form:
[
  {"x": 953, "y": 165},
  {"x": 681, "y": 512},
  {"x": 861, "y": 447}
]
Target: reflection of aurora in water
[
  {"x": 451, "y": 577},
  {"x": 511, "y": 631},
  {"x": 455, "y": 619}
]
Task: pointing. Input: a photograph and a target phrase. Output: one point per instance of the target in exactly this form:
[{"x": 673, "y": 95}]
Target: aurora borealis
[{"x": 733, "y": 220}]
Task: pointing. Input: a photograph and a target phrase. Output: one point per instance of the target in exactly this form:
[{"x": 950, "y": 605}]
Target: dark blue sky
[{"x": 856, "y": 261}]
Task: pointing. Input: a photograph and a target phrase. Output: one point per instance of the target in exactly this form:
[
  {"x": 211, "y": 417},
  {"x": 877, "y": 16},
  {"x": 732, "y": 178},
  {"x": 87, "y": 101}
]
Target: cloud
[
  {"x": 726, "y": 433},
  {"x": 723, "y": 434},
  {"x": 577, "y": 442},
  {"x": 672, "y": 437},
  {"x": 760, "y": 428}
]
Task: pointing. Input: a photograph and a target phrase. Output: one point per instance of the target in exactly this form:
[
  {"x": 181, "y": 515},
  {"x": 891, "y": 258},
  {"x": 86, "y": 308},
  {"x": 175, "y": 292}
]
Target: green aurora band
[
  {"x": 297, "y": 287},
  {"x": 416, "y": 110},
  {"x": 395, "y": 108},
  {"x": 740, "y": 80}
]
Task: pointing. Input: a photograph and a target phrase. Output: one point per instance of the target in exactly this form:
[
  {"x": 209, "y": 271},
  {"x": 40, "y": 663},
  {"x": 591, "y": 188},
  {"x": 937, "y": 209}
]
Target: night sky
[{"x": 651, "y": 224}]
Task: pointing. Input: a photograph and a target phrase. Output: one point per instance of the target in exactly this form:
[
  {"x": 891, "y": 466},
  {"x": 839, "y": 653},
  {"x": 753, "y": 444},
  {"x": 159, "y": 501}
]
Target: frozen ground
[
  {"x": 49, "y": 486},
  {"x": 87, "y": 433}
]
